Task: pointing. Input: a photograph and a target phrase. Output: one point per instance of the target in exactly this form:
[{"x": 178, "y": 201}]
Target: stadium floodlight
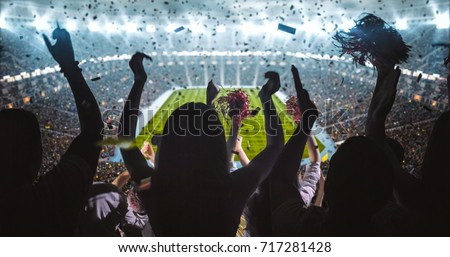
[
  {"x": 247, "y": 27},
  {"x": 131, "y": 27},
  {"x": 401, "y": 24},
  {"x": 41, "y": 23},
  {"x": 150, "y": 28},
  {"x": 2, "y": 21},
  {"x": 221, "y": 28},
  {"x": 71, "y": 25},
  {"x": 269, "y": 26},
  {"x": 442, "y": 21},
  {"x": 196, "y": 27},
  {"x": 347, "y": 24},
  {"x": 94, "y": 26},
  {"x": 171, "y": 27},
  {"x": 111, "y": 27},
  {"x": 309, "y": 26},
  {"x": 329, "y": 27}
]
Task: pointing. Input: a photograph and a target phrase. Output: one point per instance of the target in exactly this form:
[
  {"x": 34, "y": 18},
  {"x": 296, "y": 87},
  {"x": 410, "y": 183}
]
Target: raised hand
[
  {"x": 136, "y": 65},
  {"x": 211, "y": 92},
  {"x": 297, "y": 81},
  {"x": 283, "y": 180},
  {"x": 271, "y": 86},
  {"x": 238, "y": 146},
  {"x": 148, "y": 152},
  {"x": 62, "y": 50},
  {"x": 307, "y": 107},
  {"x": 133, "y": 157}
]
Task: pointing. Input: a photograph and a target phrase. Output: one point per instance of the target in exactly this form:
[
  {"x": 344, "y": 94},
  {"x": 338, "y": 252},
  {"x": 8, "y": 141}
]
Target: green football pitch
[{"x": 252, "y": 130}]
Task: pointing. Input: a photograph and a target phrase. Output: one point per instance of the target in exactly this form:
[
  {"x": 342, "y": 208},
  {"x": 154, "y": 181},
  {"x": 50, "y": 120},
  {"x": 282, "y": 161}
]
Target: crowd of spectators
[
  {"x": 342, "y": 93},
  {"x": 70, "y": 121}
]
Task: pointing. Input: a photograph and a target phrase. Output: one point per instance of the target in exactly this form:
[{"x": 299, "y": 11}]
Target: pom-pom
[
  {"x": 372, "y": 39},
  {"x": 293, "y": 109},
  {"x": 235, "y": 103}
]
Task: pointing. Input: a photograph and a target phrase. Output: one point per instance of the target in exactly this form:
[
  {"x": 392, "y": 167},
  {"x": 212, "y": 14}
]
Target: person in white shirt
[{"x": 308, "y": 183}]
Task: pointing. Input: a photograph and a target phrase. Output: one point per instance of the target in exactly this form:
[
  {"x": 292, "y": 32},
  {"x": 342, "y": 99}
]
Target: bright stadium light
[
  {"x": 2, "y": 22},
  {"x": 221, "y": 28},
  {"x": 309, "y": 26},
  {"x": 111, "y": 27},
  {"x": 270, "y": 26},
  {"x": 131, "y": 26},
  {"x": 401, "y": 24},
  {"x": 442, "y": 21},
  {"x": 247, "y": 27},
  {"x": 150, "y": 28},
  {"x": 329, "y": 27},
  {"x": 347, "y": 24},
  {"x": 171, "y": 27},
  {"x": 41, "y": 23},
  {"x": 94, "y": 26},
  {"x": 71, "y": 25},
  {"x": 196, "y": 27}
]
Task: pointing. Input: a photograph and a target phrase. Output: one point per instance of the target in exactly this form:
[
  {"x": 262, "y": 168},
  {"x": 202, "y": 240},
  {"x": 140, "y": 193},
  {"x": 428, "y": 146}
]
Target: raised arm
[
  {"x": 134, "y": 160},
  {"x": 88, "y": 112},
  {"x": 212, "y": 90},
  {"x": 69, "y": 182},
  {"x": 313, "y": 172},
  {"x": 407, "y": 188},
  {"x": 320, "y": 192},
  {"x": 313, "y": 150},
  {"x": 121, "y": 180},
  {"x": 381, "y": 104},
  {"x": 232, "y": 137},
  {"x": 283, "y": 180},
  {"x": 247, "y": 179},
  {"x": 240, "y": 152}
]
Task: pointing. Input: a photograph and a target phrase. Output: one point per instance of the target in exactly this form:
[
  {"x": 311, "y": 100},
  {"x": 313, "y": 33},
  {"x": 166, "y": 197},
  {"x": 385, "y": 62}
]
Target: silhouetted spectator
[
  {"x": 50, "y": 206},
  {"x": 191, "y": 191}
]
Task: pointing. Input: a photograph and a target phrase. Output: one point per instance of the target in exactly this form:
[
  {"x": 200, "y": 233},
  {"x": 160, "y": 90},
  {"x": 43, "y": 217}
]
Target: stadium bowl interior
[{"x": 231, "y": 42}]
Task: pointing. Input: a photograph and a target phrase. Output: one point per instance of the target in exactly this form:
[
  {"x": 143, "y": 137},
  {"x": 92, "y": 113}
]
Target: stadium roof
[
  {"x": 124, "y": 26},
  {"x": 227, "y": 12}
]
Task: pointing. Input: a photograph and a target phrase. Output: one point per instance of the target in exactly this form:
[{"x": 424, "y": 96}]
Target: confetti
[
  {"x": 178, "y": 29},
  {"x": 286, "y": 29},
  {"x": 419, "y": 77}
]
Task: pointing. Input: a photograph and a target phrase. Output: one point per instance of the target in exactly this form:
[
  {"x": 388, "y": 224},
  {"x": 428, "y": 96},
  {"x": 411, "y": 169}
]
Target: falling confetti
[
  {"x": 419, "y": 77},
  {"x": 181, "y": 28},
  {"x": 286, "y": 29}
]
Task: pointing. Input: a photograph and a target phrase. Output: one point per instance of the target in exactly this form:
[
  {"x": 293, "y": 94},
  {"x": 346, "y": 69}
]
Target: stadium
[
  {"x": 253, "y": 137},
  {"x": 233, "y": 43}
]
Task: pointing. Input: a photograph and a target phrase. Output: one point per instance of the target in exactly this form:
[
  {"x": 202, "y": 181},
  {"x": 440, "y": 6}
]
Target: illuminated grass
[{"x": 252, "y": 131}]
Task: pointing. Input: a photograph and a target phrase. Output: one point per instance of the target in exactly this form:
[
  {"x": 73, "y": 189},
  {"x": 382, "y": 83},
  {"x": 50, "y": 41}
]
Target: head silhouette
[
  {"x": 191, "y": 172},
  {"x": 359, "y": 183},
  {"x": 21, "y": 148},
  {"x": 396, "y": 148},
  {"x": 436, "y": 178}
]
